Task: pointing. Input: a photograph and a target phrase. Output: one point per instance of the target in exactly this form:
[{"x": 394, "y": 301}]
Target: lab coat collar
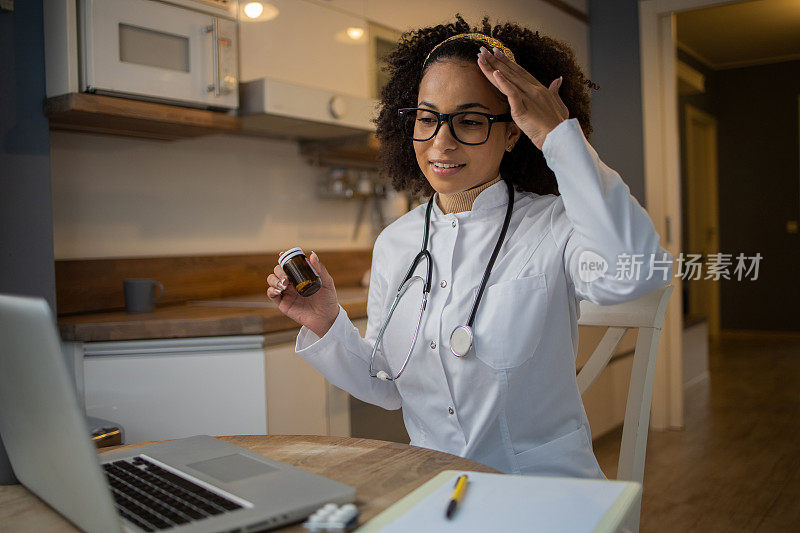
[{"x": 493, "y": 196}]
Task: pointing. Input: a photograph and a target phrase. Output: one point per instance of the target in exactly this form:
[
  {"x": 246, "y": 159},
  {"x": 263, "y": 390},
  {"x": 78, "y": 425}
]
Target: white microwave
[{"x": 182, "y": 52}]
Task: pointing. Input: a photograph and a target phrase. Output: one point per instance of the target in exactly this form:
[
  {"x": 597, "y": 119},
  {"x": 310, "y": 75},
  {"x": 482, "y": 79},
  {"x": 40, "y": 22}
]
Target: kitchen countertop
[{"x": 236, "y": 315}]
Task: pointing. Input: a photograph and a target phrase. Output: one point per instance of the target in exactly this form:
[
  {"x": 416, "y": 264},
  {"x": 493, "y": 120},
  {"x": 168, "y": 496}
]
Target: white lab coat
[{"x": 512, "y": 403}]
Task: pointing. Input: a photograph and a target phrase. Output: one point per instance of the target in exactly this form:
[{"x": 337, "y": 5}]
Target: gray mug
[{"x": 140, "y": 294}]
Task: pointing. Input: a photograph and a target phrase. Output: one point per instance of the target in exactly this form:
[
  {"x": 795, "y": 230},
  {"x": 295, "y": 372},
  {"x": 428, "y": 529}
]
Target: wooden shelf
[
  {"x": 355, "y": 150},
  {"x": 93, "y": 113}
]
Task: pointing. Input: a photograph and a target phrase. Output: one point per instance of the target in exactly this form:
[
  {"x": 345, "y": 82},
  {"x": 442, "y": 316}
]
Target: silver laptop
[{"x": 193, "y": 484}]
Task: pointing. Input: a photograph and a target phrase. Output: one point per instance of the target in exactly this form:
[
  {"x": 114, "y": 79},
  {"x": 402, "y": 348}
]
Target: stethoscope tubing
[
  {"x": 496, "y": 251},
  {"x": 424, "y": 253},
  {"x": 403, "y": 289}
]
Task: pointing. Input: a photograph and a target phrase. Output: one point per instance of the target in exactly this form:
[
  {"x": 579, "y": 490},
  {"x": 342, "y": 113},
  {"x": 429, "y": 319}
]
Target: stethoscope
[{"x": 461, "y": 336}]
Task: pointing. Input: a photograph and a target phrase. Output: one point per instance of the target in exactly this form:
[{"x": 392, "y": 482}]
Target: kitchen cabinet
[
  {"x": 306, "y": 44},
  {"x": 300, "y": 401},
  {"x": 382, "y": 41},
  {"x": 605, "y": 400},
  {"x": 231, "y": 385},
  {"x": 95, "y": 113},
  {"x": 173, "y": 388}
]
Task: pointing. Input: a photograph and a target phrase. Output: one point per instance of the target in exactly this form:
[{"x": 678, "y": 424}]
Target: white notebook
[{"x": 499, "y": 502}]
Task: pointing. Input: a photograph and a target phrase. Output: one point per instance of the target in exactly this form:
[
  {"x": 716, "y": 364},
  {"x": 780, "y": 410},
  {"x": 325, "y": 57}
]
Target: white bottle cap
[{"x": 288, "y": 254}]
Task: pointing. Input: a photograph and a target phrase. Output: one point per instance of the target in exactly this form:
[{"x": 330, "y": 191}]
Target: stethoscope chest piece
[{"x": 461, "y": 341}]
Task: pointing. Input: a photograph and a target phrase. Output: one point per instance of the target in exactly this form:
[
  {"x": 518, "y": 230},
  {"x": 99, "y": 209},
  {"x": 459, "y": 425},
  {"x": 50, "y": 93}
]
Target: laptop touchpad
[{"x": 231, "y": 468}]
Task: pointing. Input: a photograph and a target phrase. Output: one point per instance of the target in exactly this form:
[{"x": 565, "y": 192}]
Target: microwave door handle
[{"x": 214, "y": 29}]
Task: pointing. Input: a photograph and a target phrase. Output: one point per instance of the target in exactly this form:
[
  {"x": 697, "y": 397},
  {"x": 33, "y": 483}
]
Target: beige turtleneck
[{"x": 462, "y": 201}]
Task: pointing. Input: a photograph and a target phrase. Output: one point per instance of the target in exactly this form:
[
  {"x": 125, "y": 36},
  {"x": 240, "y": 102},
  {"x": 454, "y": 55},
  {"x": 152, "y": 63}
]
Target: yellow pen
[{"x": 458, "y": 493}]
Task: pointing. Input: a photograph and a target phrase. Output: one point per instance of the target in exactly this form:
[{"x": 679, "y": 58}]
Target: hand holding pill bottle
[{"x": 303, "y": 290}]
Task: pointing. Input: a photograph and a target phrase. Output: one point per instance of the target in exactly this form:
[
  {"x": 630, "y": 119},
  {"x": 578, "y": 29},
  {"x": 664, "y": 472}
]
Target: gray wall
[
  {"x": 26, "y": 219},
  {"x": 617, "y": 106},
  {"x": 759, "y": 177},
  {"x": 26, "y": 216}
]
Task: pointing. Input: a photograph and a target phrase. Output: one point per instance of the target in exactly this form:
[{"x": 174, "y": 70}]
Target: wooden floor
[{"x": 736, "y": 466}]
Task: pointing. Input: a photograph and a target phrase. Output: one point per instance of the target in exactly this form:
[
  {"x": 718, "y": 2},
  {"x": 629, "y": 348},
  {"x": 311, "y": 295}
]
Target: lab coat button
[
  {"x": 454, "y": 223},
  {"x": 433, "y": 345},
  {"x": 443, "y": 284},
  {"x": 450, "y": 410}
]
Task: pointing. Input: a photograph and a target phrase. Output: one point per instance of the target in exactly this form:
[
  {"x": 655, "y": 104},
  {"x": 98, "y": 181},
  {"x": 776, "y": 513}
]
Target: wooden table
[{"x": 382, "y": 473}]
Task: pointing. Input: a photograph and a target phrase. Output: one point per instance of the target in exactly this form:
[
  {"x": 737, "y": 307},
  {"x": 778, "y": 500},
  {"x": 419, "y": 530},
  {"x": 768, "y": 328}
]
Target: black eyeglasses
[{"x": 467, "y": 127}]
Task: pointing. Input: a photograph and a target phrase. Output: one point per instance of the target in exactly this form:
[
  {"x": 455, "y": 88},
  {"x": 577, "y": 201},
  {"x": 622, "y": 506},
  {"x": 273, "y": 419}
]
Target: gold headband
[{"x": 491, "y": 42}]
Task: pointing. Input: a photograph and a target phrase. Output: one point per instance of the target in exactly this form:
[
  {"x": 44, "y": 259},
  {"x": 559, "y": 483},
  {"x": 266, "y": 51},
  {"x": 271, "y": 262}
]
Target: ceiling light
[
  {"x": 259, "y": 11},
  {"x": 253, "y": 9},
  {"x": 355, "y": 33}
]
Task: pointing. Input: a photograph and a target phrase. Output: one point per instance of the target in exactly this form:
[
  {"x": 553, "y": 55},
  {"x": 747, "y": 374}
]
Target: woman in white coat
[{"x": 510, "y": 400}]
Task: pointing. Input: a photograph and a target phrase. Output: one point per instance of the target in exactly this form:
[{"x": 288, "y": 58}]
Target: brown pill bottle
[{"x": 302, "y": 275}]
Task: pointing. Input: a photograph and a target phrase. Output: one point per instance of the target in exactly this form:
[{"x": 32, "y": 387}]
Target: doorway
[
  {"x": 701, "y": 213},
  {"x": 757, "y": 215}
]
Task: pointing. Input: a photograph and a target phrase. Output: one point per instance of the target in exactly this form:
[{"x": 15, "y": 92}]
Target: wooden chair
[{"x": 647, "y": 315}]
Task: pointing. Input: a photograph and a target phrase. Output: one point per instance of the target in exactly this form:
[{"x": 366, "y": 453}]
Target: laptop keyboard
[{"x": 154, "y": 498}]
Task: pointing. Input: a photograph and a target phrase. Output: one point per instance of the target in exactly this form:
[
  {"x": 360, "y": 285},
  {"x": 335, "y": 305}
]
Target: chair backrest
[{"x": 647, "y": 315}]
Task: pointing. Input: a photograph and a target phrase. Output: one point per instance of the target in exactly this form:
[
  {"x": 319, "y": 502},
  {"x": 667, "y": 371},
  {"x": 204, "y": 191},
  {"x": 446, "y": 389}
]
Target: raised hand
[
  {"x": 536, "y": 109},
  {"x": 316, "y": 312}
]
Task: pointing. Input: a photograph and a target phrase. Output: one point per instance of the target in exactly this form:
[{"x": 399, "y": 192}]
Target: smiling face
[{"x": 455, "y": 85}]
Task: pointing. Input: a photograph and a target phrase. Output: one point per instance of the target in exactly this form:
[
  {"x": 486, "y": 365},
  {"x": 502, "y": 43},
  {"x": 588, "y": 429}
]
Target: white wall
[
  {"x": 534, "y": 14},
  {"x": 119, "y": 197}
]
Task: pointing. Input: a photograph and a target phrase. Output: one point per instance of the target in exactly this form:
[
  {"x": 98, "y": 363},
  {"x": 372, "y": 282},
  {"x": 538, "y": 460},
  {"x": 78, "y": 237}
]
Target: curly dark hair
[{"x": 544, "y": 57}]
